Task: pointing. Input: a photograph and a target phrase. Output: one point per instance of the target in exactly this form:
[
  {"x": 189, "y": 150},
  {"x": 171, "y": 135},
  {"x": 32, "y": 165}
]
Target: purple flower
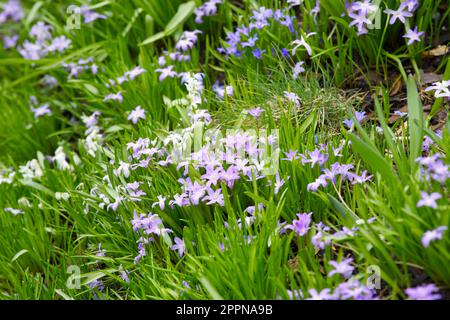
[
  {"x": 278, "y": 183},
  {"x": 117, "y": 97},
  {"x": 364, "y": 177},
  {"x": 179, "y": 246},
  {"x": 292, "y": 97},
  {"x": 214, "y": 197},
  {"x": 433, "y": 235},
  {"x": 41, "y": 31},
  {"x": 344, "y": 268},
  {"x": 257, "y": 53},
  {"x": 319, "y": 240},
  {"x": 360, "y": 20},
  {"x": 325, "y": 294},
  {"x": 195, "y": 192},
  {"x": 399, "y": 14},
  {"x": 360, "y": 116},
  {"x": 285, "y": 53},
  {"x": 209, "y": 8},
  {"x": 316, "y": 156},
  {"x": 133, "y": 73},
  {"x": 230, "y": 175},
  {"x": 298, "y": 69},
  {"x": 413, "y": 35},
  {"x": 41, "y": 111},
  {"x": 222, "y": 90},
  {"x": 31, "y": 51},
  {"x": 301, "y": 225},
  {"x": 11, "y": 10},
  {"x": 255, "y": 112},
  {"x": 88, "y": 14},
  {"x": 161, "y": 202},
  {"x": 212, "y": 175},
  {"x": 348, "y": 123},
  {"x": 59, "y": 44},
  {"x": 124, "y": 275},
  {"x": 187, "y": 40},
  {"x": 364, "y": 7},
  {"x": 353, "y": 289},
  {"x": 428, "y": 200},
  {"x": 136, "y": 114},
  {"x": 133, "y": 190},
  {"x": 166, "y": 72},
  {"x": 10, "y": 42},
  {"x": 294, "y": 294},
  {"x": 251, "y": 42},
  {"x": 179, "y": 200},
  {"x": 410, "y": 5},
  {"x": 423, "y": 292},
  {"x": 400, "y": 113},
  {"x": 291, "y": 155},
  {"x": 314, "y": 186}
]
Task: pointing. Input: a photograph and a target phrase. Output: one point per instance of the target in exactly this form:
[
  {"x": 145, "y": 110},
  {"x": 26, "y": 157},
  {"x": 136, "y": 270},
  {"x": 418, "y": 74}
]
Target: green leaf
[
  {"x": 184, "y": 12},
  {"x": 373, "y": 158},
  {"x": 18, "y": 254},
  {"x": 63, "y": 294},
  {"x": 153, "y": 38},
  {"x": 37, "y": 186},
  {"x": 399, "y": 156},
  {"x": 32, "y": 15},
  {"x": 415, "y": 117},
  {"x": 209, "y": 287},
  {"x": 343, "y": 211}
]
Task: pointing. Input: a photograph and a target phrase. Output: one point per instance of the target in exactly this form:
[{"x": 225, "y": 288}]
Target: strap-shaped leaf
[{"x": 184, "y": 12}]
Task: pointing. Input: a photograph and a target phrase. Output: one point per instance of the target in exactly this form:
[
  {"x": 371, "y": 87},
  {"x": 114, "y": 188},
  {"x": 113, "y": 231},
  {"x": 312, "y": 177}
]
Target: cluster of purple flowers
[
  {"x": 351, "y": 289},
  {"x": 12, "y": 10},
  {"x": 222, "y": 90},
  {"x": 127, "y": 76},
  {"x": 150, "y": 224},
  {"x": 404, "y": 11},
  {"x": 228, "y": 167},
  {"x": 323, "y": 235},
  {"x": 363, "y": 14},
  {"x": 423, "y": 292},
  {"x": 88, "y": 14},
  {"x": 185, "y": 43},
  {"x": 320, "y": 156},
  {"x": 44, "y": 43},
  {"x": 75, "y": 69},
  {"x": 207, "y": 9},
  {"x": 118, "y": 97},
  {"x": 359, "y": 116},
  {"x": 245, "y": 37},
  {"x": 433, "y": 168}
]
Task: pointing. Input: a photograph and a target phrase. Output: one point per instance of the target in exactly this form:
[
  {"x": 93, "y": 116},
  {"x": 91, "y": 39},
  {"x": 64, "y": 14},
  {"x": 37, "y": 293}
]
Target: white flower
[
  {"x": 31, "y": 170},
  {"x": 62, "y": 196},
  {"x": 60, "y": 159},
  {"x": 124, "y": 168},
  {"x": 442, "y": 89}
]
